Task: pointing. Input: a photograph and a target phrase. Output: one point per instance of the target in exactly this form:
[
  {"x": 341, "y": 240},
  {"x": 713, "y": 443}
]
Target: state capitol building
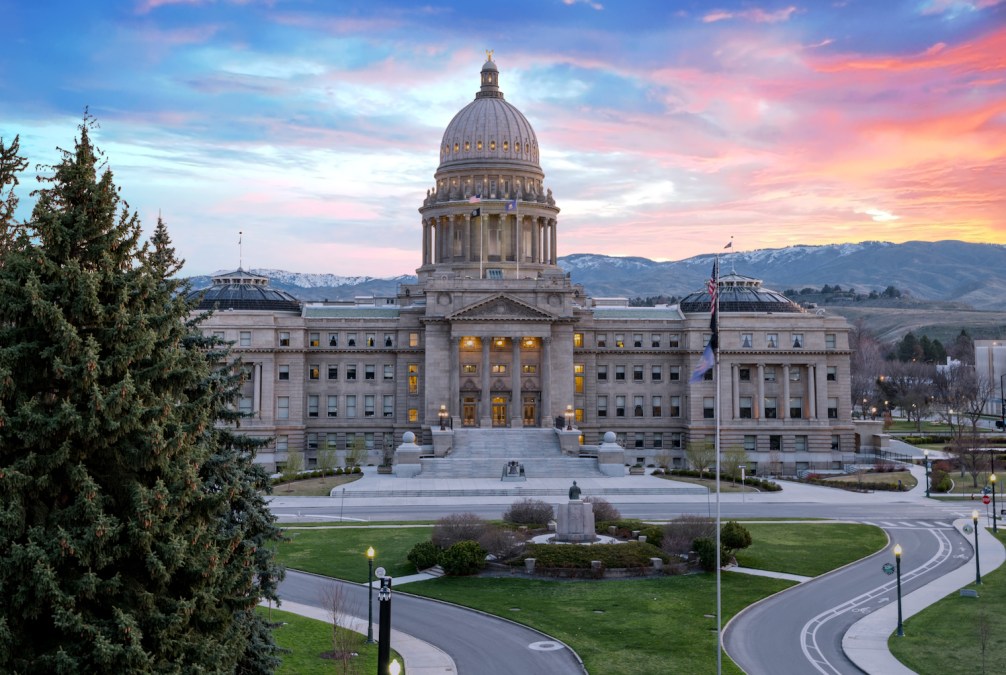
[{"x": 494, "y": 335}]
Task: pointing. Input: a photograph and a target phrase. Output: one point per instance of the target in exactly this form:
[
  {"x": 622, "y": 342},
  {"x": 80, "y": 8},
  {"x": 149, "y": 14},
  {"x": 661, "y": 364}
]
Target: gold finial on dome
[{"x": 489, "y": 54}]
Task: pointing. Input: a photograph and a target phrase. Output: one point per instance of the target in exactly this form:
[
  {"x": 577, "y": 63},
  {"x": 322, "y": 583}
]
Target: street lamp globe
[{"x": 897, "y": 550}]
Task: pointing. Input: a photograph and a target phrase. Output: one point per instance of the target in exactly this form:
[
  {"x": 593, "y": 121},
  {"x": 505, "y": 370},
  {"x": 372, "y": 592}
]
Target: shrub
[
  {"x": 357, "y": 469},
  {"x": 463, "y": 558},
  {"x": 603, "y": 509},
  {"x": 734, "y": 536},
  {"x": 681, "y": 532},
  {"x": 623, "y": 527},
  {"x": 939, "y": 481},
  {"x": 502, "y": 543},
  {"x": 339, "y": 471},
  {"x": 424, "y": 555},
  {"x": 654, "y": 535},
  {"x": 456, "y": 527},
  {"x": 706, "y": 550},
  {"x": 529, "y": 512},
  {"x": 630, "y": 554}
]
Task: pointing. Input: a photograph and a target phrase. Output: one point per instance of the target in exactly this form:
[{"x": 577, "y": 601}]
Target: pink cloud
[{"x": 756, "y": 15}]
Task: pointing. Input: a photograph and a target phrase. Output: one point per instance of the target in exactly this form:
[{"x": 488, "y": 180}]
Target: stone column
[
  {"x": 455, "y": 379},
  {"x": 811, "y": 412},
  {"x": 451, "y": 225},
  {"x": 426, "y": 238},
  {"x": 546, "y": 382},
  {"x": 485, "y": 404},
  {"x": 516, "y": 404},
  {"x": 760, "y": 402},
  {"x": 466, "y": 239},
  {"x": 551, "y": 243},
  {"x": 784, "y": 407},
  {"x": 535, "y": 239},
  {"x": 735, "y": 384},
  {"x": 257, "y": 390}
]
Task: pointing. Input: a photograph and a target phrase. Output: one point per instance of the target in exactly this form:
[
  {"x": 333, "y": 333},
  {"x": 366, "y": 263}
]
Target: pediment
[{"x": 501, "y": 307}]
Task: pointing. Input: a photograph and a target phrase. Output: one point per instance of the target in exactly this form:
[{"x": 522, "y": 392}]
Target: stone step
[{"x": 515, "y": 491}]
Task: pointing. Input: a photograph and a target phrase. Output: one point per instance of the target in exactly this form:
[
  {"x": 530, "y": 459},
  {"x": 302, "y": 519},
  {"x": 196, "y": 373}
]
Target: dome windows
[
  {"x": 506, "y": 146},
  {"x": 456, "y": 147},
  {"x": 478, "y": 145},
  {"x": 468, "y": 146},
  {"x": 492, "y": 146}
]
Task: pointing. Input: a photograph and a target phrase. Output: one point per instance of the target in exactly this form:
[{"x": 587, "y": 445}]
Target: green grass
[
  {"x": 342, "y": 552},
  {"x": 313, "y": 487},
  {"x": 811, "y": 549},
  {"x": 633, "y": 626},
  {"x": 868, "y": 478},
  {"x": 944, "y": 637},
  {"x": 306, "y": 639}
]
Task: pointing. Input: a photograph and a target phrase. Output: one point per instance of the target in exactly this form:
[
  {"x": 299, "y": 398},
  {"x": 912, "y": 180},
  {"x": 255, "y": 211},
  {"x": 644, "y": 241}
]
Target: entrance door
[
  {"x": 468, "y": 411},
  {"x": 499, "y": 411},
  {"x": 530, "y": 411}
]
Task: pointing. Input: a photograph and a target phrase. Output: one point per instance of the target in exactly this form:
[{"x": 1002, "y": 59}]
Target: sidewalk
[
  {"x": 865, "y": 643},
  {"x": 421, "y": 658}
]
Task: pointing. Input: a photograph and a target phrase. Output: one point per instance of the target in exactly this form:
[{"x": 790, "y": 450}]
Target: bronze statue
[{"x": 574, "y": 492}]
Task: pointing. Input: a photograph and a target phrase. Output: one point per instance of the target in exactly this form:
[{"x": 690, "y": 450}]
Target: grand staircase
[{"x": 483, "y": 453}]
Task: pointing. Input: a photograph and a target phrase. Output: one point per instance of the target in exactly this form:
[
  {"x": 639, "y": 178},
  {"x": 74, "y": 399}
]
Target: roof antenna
[{"x": 240, "y": 250}]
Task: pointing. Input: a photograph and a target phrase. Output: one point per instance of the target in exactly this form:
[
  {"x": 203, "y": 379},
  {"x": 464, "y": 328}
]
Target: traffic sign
[
  {"x": 888, "y": 568},
  {"x": 986, "y": 499}
]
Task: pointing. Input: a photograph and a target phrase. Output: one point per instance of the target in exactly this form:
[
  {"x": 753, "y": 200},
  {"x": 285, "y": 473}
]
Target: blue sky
[{"x": 665, "y": 127}]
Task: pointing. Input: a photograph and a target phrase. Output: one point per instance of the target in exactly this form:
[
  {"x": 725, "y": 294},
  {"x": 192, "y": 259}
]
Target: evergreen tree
[
  {"x": 132, "y": 528},
  {"x": 11, "y": 163}
]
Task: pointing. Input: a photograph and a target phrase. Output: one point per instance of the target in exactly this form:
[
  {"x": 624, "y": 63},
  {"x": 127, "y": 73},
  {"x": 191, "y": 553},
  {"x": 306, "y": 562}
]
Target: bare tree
[
  {"x": 701, "y": 455},
  {"x": 973, "y": 457},
  {"x": 341, "y": 609},
  {"x": 962, "y": 394},
  {"x": 326, "y": 460},
  {"x": 909, "y": 385},
  {"x": 866, "y": 364},
  {"x": 731, "y": 460}
]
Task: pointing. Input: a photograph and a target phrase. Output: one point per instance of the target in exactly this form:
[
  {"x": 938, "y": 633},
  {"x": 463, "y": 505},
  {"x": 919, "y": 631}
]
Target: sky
[{"x": 666, "y": 127}]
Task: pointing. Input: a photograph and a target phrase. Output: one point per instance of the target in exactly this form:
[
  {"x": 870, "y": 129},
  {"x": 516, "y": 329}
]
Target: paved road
[
  {"x": 477, "y": 642},
  {"x": 800, "y": 631}
]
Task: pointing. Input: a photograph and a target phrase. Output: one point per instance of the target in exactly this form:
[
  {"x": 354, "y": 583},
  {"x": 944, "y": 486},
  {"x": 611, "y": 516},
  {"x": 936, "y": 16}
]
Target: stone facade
[{"x": 496, "y": 334}]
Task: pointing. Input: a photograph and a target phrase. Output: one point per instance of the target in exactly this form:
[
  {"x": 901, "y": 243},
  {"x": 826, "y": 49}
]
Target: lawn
[
  {"x": 659, "y": 625},
  {"x": 726, "y": 485},
  {"x": 906, "y": 478},
  {"x": 948, "y": 637},
  {"x": 809, "y": 549},
  {"x": 313, "y": 487},
  {"x": 306, "y": 639},
  {"x": 342, "y": 552}
]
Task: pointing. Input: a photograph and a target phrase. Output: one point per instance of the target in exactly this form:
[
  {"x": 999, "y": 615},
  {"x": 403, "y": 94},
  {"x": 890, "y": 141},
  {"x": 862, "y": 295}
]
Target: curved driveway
[
  {"x": 800, "y": 630},
  {"x": 478, "y": 643}
]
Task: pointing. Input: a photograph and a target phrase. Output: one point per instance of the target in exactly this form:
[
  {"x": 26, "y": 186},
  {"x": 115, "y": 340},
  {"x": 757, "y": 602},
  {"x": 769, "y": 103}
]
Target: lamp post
[
  {"x": 370, "y": 595},
  {"x": 897, "y": 562},
  {"x": 384, "y": 639},
  {"x": 569, "y": 418},
  {"x": 443, "y": 417},
  {"x": 925, "y": 454},
  {"x": 992, "y": 479},
  {"x": 978, "y": 567}
]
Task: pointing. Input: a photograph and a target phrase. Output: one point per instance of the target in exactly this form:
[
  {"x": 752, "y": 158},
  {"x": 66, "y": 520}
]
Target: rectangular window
[
  {"x": 578, "y": 378},
  {"x": 794, "y": 374},
  {"x": 750, "y": 443},
  {"x": 708, "y": 375},
  {"x": 800, "y": 443},
  {"x": 333, "y": 371},
  {"x": 351, "y": 406},
  {"x": 368, "y": 405},
  {"x": 245, "y": 405},
  {"x": 744, "y": 374},
  {"x": 413, "y": 415},
  {"x": 796, "y": 407},
  {"x": 658, "y": 440},
  {"x": 284, "y": 339},
  {"x": 619, "y": 406},
  {"x": 770, "y": 408},
  {"x": 770, "y": 373},
  {"x": 708, "y": 407},
  {"x": 675, "y": 373},
  {"x": 836, "y": 443},
  {"x": 832, "y": 373},
  {"x": 771, "y": 340},
  {"x": 797, "y": 340},
  {"x": 620, "y": 340},
  {"x": 637, "y": 339},
  {"x": 498, "y": 368},
  {"x": 602, "y": 406},
  {"x": 388, "y": 340},
  {"x": 371, "y": 340},
  {"x": 619, "y": 373},
  {"x": 746, "y": 342},
  {"x": 675, "y": 408},
  {"x": 370, "y": 372},
  {"x": 368, "y": 440},
  {"x": 775, "y": 442},
  {"x": 637, "y": 406},
  {"x": 655, "y": 340},
  {"x": 389, "y": 372},
  {"x": 389, "y": 405},
  {"x": 312, "y": 405},
  {"x": 656, "y": 374},
  {"x": 656, "y": 409},
  {"x": 245, "y": 340},
  {"x": 706, "y": 337},
  {"x": 282, "y": 443},
  {"x": 351, "y": 373},
  {"x": 283, "y": 408},
  {"x": 331, "y": 440},
  {"x": 578, "y": 414},
  {"x": 314, "y": 339},
  {"x": 333, "y": 339},
  {"x": 413, "y": 378},
  {"x": 637, "y": 373},
  {"x": 674, "y": 340},
  {"x": 676, "y": 439},
  {"x": 577, "y": 339},
  {"x": 312, "y": 441},
  {"x": 638, "y": 441},
  {"x": 283, "y": 371},
  {"x": 829, "y": 340},
  {"x": 314, "y": 371},
  {"x": 602, "y": 373},
  {"x": 413, "y": 339},
  {"x": 470, "y": 368},
  {"x": 602, "y": 339},
  {"x": 745, "y": 407},
  {"x": 333, "y": 406},
  {"x": 351, "y": 339},
  {"x": 832, "y": 408},
  {"x": 529, "y": 368}
]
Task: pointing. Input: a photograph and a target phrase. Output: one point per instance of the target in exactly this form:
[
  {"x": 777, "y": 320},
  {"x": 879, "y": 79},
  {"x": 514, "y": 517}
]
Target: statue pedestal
[
  {"x": 407, "y": 462},
  {"x": 575, "y": 522}
]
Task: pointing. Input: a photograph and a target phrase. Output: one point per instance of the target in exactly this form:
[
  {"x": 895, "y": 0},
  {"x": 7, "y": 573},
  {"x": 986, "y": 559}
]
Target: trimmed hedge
[
  {"x": 629, "y": 554},
  {"x": 750, "y": 481},
  {"x": 463, "y": 558},
  {"x": 424, "y": 555}
]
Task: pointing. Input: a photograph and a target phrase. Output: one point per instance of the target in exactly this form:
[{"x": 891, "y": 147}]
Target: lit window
[
  {"x": 413, "y": 378},
  {"x": 529, "y": 368},
  {"x": 315, "y": 339},
  {"x": 619, "y": 340},
  {"x": 371, "y": 340},
  {"x": 498, "y": 368},
  {"x": 577, "y": 339},
  {"x": 470, "y": 368},
  {"x": 314, "y": 372},
  {"x": 413, "y": 415},
  {"x": 413, "y": 339},
  {"x": 578, "y": 378}
]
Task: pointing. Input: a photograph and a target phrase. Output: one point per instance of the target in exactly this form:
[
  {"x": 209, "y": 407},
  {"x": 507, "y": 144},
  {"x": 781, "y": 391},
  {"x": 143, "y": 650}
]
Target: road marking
[
  {"x": 546, "y": 646},
  {"x": 808, "y": 635}
]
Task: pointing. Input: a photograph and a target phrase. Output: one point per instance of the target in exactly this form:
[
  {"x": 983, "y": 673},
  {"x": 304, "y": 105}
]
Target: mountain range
[{"x": 963, "y": 273}]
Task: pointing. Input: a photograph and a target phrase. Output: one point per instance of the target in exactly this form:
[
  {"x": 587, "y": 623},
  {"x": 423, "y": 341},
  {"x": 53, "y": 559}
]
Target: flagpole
[
  {"x": 482, "y": 242},
  {"x": 520, "y": 238},
  {"x": 716, "y": 414}
]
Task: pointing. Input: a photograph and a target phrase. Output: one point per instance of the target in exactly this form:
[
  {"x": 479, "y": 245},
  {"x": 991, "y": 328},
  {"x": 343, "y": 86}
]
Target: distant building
[
  {"x": 494, "y": 333},
  {"x": 990, "y": 366}
]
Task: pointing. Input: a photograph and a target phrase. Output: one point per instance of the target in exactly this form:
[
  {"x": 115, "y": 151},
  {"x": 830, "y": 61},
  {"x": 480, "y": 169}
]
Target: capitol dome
[
  {"x": 241, "y": 290},
  {"x": 739, "y": 293},
  {"x": 489, "y": 130}
]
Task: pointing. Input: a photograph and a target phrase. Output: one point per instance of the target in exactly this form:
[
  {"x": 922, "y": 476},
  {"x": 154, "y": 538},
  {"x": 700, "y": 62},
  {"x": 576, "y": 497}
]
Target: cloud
[
  {"x": 756, "y": 15},
  {"x": 590, "y": 3}
]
